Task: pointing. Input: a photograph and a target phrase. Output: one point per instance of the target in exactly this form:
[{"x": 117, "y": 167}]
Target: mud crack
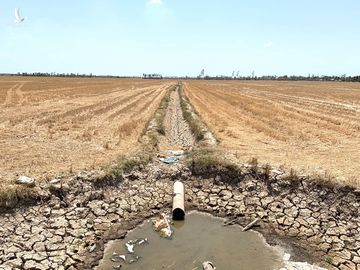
[{"x": 177, "y": 129}]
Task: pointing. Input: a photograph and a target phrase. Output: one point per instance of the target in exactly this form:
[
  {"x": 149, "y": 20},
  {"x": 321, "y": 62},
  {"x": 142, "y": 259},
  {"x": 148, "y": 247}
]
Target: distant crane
[{"x": 18, "y": 18}]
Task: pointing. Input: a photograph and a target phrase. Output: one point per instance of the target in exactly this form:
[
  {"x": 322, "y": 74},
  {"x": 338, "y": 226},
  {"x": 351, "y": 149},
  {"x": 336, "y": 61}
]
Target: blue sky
[{"x": 180, "y": 37}]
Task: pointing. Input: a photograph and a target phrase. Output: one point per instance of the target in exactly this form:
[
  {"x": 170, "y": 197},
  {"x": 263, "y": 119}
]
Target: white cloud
[
  {"x": 155, "y": 2},
  {"x": 268, "y": 44},
  {"x": 156, "y": 9}
]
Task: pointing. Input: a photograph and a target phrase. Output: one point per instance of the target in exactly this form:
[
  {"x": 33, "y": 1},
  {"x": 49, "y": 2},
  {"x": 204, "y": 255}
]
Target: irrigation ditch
[{"x": 67, "y": 222}]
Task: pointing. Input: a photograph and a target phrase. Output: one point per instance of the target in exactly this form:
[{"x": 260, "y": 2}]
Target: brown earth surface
[
  {"x": 52, "y": 125},
  {"x": 312, "y": 127},
  {"x": 71, "y": 222},
  {"x": 177, "y": 130},
  {"x": 72, "y": 218}
]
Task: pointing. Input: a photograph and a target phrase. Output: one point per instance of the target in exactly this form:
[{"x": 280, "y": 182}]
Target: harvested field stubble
[
  {"x": 312, "y": 127},
  {"x": 52, "y": 125}
]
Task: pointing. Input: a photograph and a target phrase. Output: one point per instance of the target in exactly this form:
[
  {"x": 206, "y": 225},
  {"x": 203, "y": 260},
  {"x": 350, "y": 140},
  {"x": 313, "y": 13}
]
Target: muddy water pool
[{"x": 199, "y": 238}]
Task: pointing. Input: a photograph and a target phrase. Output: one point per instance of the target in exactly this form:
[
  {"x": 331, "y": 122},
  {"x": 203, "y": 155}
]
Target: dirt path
[
  {"x": 14, "y": 95},
  {"x": 9, "y": 95},
  {"x": 20, "y": 94},
  {"x": 177, "y": 130}
]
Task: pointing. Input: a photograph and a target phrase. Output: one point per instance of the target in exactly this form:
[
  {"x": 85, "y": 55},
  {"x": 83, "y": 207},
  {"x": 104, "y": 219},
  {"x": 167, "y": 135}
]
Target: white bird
[{"x": 18, "y": 18}]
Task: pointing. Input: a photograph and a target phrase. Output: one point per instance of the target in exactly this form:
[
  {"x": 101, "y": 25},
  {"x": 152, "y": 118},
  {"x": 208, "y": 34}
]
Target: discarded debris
[
  {"x": 168, "y": 160},
  {"x": 162, "y": 226},
  {"x": 176, "y": 153},
  {"x": 135, "y": 258},
  {"x": 130, "y": 247},
  {"x": 117, "y": 258},
  {"x": 251, "y": 224},
  {"x": 92, "y": 248},
  {"x": 117, "y": 266},
  {"x": 160, "y": 222},
  {"x": 208, "y": 266},
  {"x": 27, "y": 181},
  {"x": 142, "y": 241},
  {"x": 54, "y": 181},
  {"x": 139, "y": 241},
  {"x": 165, "y": 232},
  {"x": 286, "y": 257}
]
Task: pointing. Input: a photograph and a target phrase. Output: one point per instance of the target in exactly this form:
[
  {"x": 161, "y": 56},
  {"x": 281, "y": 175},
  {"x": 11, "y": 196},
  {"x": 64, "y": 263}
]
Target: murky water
[{"x": 200, "y": 238}]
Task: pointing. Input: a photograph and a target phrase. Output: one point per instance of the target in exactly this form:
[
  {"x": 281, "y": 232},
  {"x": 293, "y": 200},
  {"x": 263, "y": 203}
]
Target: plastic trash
[
  {"x": 160, "y": 222},
  {"x": 92, "y": 248},
  {"x": 27, "y": 181},
  {"x": 134, "y": 258},
  {"x": 139, "y": 241},
  {"x": 117, "y": 257},
  {"x": 142, "y": 241},
  {"x": 168, "y": 160},
  {"x": 250, "y": 225},
  {"x": 162, "y": 226},
  {"x": 208, "y": 266},
  {"x": 165, "y": 233},
  {"x": 176, "y": 153},
  {"x": 286, "y": 257},
  {"x": 130, "y": 247}
]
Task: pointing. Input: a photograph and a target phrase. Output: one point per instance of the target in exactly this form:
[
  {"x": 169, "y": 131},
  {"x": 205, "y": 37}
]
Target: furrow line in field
[
  {"x": 314, "y": 117},
  {"x": 267, "y": 108},
  {"x": 9, "y": 95},
  {"x": 234, "y": 115},
  {"x": 89, "y": 111}
]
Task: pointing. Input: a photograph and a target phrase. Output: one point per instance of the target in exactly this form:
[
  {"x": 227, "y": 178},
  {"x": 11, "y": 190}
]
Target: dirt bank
[{"x": 316, "y": 223}]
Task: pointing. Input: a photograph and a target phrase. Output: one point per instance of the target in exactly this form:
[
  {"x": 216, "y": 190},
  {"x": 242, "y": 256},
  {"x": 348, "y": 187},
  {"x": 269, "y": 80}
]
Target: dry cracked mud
[
  {"x": 177, "y": 130},
  {"x": 81, "y": 213}
]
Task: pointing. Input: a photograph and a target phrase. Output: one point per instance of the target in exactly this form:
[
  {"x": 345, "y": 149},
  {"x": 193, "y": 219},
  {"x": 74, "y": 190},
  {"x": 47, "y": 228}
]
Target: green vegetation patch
[
  {"x": 189, "y": 113},
  {"x": 127, "y": 164}
]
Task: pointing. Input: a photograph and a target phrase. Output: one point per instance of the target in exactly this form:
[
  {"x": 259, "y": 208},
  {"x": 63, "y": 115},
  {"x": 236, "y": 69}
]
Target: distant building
[{"x": 152, "y": 76}]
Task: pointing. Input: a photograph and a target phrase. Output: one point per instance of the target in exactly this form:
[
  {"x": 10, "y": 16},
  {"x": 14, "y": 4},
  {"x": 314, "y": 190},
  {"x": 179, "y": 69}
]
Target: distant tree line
[
  {"x": 152, "y": 76},
  {"x": 53, "y": 74},
  {"x": 342, "y": 78}
]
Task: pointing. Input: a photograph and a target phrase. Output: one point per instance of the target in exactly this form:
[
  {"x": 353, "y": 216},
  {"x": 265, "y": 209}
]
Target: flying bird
[{"x": 18, "y": 18}]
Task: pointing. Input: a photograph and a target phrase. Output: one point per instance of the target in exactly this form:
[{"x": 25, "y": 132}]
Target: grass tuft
[
  {"x": 161, "y": 112},
  {"x": 189, "y": 116},
  {"x": 12, "y": 194},
  {"x": 254, "y": 165},
  {"x": 155, "y": 126},
  {"x": 210, "y": 162},
  {"x": 126, "y": 165}
]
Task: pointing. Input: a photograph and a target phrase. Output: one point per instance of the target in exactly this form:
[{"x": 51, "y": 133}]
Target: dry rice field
[
  {"x": 52, "y": 125},
  {"x": 312, "y": 127}
]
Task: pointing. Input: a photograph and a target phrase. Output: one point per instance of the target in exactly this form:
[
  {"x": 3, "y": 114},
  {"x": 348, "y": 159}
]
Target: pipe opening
[{"x": 178, "y": 214}]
